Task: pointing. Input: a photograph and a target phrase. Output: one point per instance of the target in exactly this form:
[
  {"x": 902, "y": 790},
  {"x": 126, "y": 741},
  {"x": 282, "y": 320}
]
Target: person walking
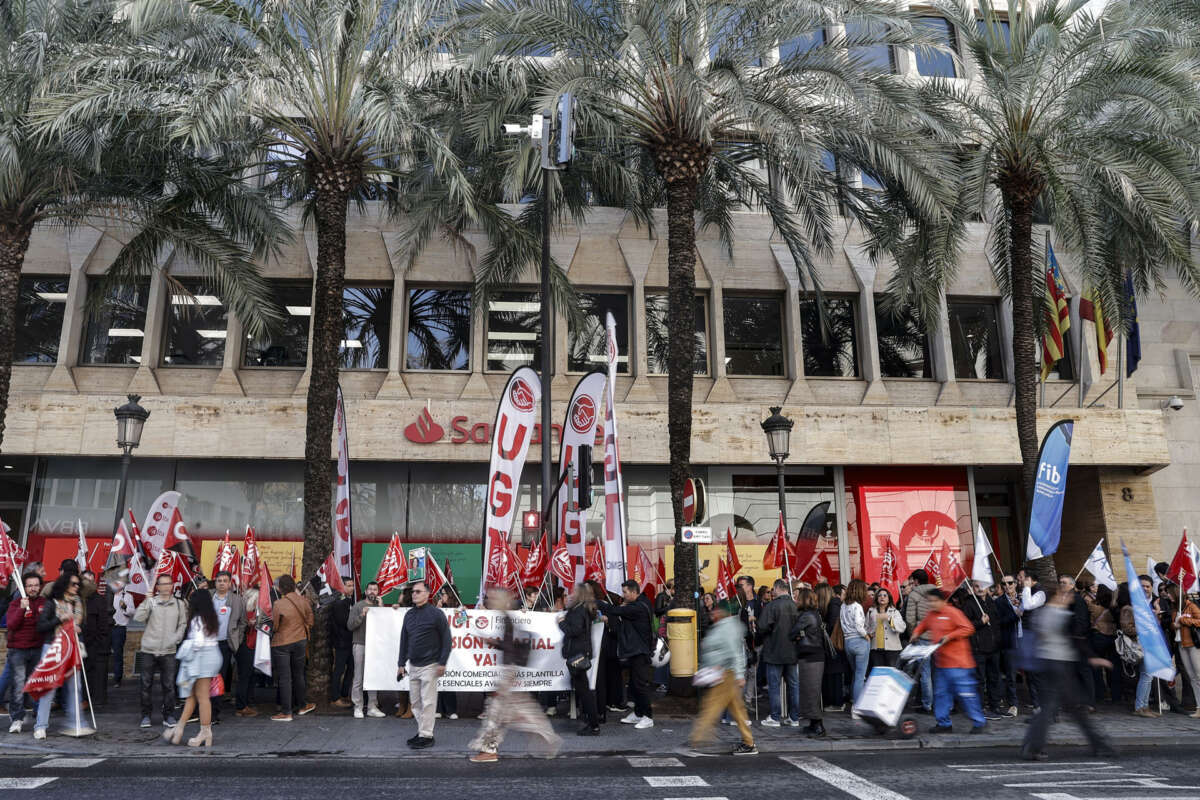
[
  {"x": 915, "y": 610},
  {"x": 165, "y": 618},
  {"x": 885, "y": 624},
  {"x": 1059, "y": 651},
  {"x": 356, "y": 621},
  {"x": 955, "y": 675},
  {"x": 292, "y": 616},
  {"x": 123, "y": 608},
  {"x": 424, "y": 651},
  {"x": 854, "y": 632},
  {"x": 635, "y": 643},
  {"x": 341, "y": 642},
  {"x": 509, "y": 708},
  {"x": 62, "y": 604},
  {"x": 24, "y": 644},
  {"x": 808, "y": 637},
  {"x": 723, "y": 649},
  {"x": 200, "y": 661},
  {"x": 779, "y": 653},
  {"x": 231, "y": 628},
  {"x": 97, "y": 635},
  {"x": 576, "y": 625}
]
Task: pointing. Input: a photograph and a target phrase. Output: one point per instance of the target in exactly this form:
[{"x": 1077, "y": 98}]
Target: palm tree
[
  {"x": 124, "y": 176},
  {"x": 1092, "y": 116},
  {"x": 693, "y": 105}
]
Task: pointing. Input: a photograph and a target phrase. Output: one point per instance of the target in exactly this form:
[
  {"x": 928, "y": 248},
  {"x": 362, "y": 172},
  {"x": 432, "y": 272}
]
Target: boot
[
  {"x": 816, "y": 729},
  {"x": 203, "y": 738},
  {"x": 174, "y": 734}
]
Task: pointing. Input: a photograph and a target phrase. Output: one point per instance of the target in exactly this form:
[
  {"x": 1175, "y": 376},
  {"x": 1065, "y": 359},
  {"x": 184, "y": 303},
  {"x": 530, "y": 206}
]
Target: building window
[
  {"x": 975, "y": 339},
  {"x": 903, "y": 343},
  {"x": 1001, "y": 28},
  {"x": 116, "y": 324},
  {"x": 1064, "y": 368},
  {"x": 753, "y": 335},
  {"x": 41, "y": 303},
  {"x": 801, "y": 45},
  {"x": 871, "y": 54},
  {"x": 287, "y": 344},
  {"x": 439, "y": 329},
  {"x": 830, "y": 344},
  {"x": 196, "y": 327},
  {"x": 587, "y": 347},
  {"x": 658, "y": 356},
  {"x": 514, "y": 326},
  {"x": 937, "y": 63},
  {"x": 367, "y": 312}
]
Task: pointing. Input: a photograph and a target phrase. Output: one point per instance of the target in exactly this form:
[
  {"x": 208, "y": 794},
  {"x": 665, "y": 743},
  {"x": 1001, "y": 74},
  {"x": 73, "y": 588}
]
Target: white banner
[
  {"x": 158, "y": 521},
  {"x": 614, "y": 499},
  {"x": 579, "y": 428},
  {"x": 510, "y": 444},
  {"x": 474, "y": 665},
  {"x": 343, "y": 547}
]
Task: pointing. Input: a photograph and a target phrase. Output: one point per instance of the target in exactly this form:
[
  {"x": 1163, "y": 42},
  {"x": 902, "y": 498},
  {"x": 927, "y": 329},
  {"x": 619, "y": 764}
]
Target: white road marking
[
  {"x": 68, "y": 763},
  {"x": 1062, "y": 796},
  {"x": 24, "y": 783},
  {"x": 989, "y": 767},
  {"x": 842, "y": 779},
  {"x": 641, "y": 762},
  {"x": 726, "y": 798},
  {"x": 1111, "y": 783},
  {"x": 1037, "y": 772},
  {"x": 660, "y": 781}
]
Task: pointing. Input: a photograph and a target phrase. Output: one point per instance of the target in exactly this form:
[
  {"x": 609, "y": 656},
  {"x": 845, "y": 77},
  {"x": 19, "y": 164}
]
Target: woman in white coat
[{"x": 885, "y": 623}]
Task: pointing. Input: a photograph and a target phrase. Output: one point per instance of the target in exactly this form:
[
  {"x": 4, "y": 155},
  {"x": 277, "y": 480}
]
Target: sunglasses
[{"x": 1009, "y": 583}]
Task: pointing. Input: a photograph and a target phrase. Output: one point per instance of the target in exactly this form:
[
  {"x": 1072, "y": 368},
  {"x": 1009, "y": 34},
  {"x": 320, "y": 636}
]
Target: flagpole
[{"x": 86, "y": 689}]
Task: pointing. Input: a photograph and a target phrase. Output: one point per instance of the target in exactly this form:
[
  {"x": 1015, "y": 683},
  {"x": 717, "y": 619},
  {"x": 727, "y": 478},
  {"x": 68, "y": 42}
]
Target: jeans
[
  {"x": 70, "y": 691},
  {"x": 166, "y": 666},
  {"x": 18, "y": 665},
  {"x": 642, "y": 673},
  {"x": 858, "y": 651},
  {"x": 287, "y": 664},
  {"x": 244, "y": 693},
  {"x": 6, "y": 681},
  {"x": 118, "y": 652},
  {"x": 1008, "y": 668},
  {"x": 1142, "y": 695},
  {"x": 343, "y": 673},
  {"x": 927, "y": 684},
  {"x": 1060, "y": 687},
  {"x": 791, "y": 675},
  {"x": 951, "y": 682}
]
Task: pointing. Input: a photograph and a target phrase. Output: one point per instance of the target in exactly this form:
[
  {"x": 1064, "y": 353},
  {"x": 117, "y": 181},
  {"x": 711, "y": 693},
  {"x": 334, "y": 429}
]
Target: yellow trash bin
[{"x": 681, "y": 637}]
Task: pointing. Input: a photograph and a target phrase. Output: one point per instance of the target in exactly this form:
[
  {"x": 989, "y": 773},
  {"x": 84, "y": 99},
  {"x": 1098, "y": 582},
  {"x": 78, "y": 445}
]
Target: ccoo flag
[
  {"x": 1049, "y": 490},
  {"x": 1156, "y": 658}
]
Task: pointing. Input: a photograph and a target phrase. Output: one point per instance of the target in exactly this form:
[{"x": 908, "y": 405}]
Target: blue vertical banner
[
  {"x": 1049, "y": 491},
  {"x": 1156, "y": 658}
]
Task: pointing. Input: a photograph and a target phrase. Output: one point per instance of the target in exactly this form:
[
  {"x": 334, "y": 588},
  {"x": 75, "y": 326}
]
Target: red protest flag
[
  {"x": 292, "y": 569},
  {"x": 434, "y": 578},
  {"x": 560, "y": 565},
  {"x": 952, "y": 571},
  {"x": 329, "y": 575},
  {"x": 503, "y": 569},
  {"x": 264, "y": 587},
  {"x": 731, "y": 556},
  {"x": 888, "y": 566},
  {"x": 179, "y": 540},
  {"x": 58, "y": 662},
  {"x": 724, "y": 590},
  {"x": 778, "y": 551},
  {"x": 595, "y": 566},
  {"x": 250, "y": 560},
  {"x": 1182, "y": 571},
  {"x": 934, "y": 569},
  {"x": 660, "y": 572},
  {"x": 220, "y": 558},
  {"x": 173, "y": 564},
  {"x": 393, "y": 569},
  {"x": 533, "y": 571}
]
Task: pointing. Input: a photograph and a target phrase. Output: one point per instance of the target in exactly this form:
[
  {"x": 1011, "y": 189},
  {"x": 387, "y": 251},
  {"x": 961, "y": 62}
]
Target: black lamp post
[
  {"x": 778, "y": 429},
  {"x": 130, "y": 419}
]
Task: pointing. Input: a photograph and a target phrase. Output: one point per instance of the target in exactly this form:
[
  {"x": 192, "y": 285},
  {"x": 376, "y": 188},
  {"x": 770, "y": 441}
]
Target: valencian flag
[
  {"x": 1049, "y": 491},
  {"x": 1058, "y": 314},
  {"x": 1156, "y": 658},
  {"x": 1182, "y": 570},
  {"x": 731, "y": 556},
  {"x": 393, "y": 569},
  {"x": 537, "y": 560},
  {"x": 1091, "y": 309},
  {"x": 61, "y": 659},
  {"x": 249, "y": 570}
]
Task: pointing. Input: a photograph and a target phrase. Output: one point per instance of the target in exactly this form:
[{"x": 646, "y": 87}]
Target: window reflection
[
  {"x": 975, "y": 339},
  {"x": 934, "y": 63},
  {"x": 903, "y": 344},
  {"x": 658, "y": 353},
  {"x": 513, "y": 330},
  {"x": 866, "y": 48},
  {"x": 830, "y": 344},
  {"x": 587, "y": 347},
  {"x": 439, "y": 329},
  {"x": 41, "y": 304},
  {"x": 753, "y": 335},
  {"x": 367, "y": 312},
  {"x": 287, "y": 344},
  {"x": 116, "y": 324},
  {"x": 196, "y": 326}
]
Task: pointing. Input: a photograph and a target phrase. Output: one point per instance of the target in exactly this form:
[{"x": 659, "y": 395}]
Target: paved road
[{"x": 1163, "y": 773}]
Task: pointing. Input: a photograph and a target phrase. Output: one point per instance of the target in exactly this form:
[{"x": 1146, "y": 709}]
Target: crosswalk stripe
[
  {"x": 662, "y": 781},
  {"x": 641, "y": 762},
  {"x": 68, "y": 763},
  {"x": 24, "y": 783},
  {"x": 716, "y": 798},
  {"x": 1065, "y": 796},
  {"x": 842, "y": 779}
]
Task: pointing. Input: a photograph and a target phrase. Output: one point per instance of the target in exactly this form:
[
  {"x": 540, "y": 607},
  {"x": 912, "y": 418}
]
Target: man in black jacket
[
  {"x": 779, "y": 653},
  {"x": 1081, "y": 625},
  {"x": 635, "y": 644},
  {"x": 980, "y": 611},
  {"x": 341, "y": 641}
]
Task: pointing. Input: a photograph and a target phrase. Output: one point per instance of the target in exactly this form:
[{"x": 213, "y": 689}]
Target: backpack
[{"x": 1130, "y": 652}]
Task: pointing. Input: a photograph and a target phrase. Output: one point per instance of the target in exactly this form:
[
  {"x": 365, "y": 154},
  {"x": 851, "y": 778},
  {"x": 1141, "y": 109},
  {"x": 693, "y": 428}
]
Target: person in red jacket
[
  {"x": 24, "y": 645},
  {"x": 955, "y": 673}
]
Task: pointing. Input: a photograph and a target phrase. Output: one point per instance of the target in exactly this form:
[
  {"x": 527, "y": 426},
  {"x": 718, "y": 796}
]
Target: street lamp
[
  {"x": 778, "y": 429},
  {"x": 130, "y": 419}
]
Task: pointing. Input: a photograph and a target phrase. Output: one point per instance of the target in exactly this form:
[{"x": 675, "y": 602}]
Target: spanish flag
[
  {"x": 1090, "y": 308},
  {"x": 1058, "y": 314}
]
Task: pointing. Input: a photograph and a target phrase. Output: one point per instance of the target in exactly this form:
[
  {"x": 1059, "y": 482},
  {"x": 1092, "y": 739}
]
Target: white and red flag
[
  {"x": 560, "y": 565},
  {"x": 503, "y": 568},
  {"x": 888, "y": 567},
  {"x": 615, "y": 533},
  {"x": 435, "y": 579},
  {"x": 329, "y": 576},
  {"x": 179, "y": 540},
  {"x": 725, "y": 589},
  {"x": 158, "y": 522},
  {"x": 779, "y": 552},
  {"x": 343, "y": 532},
  {"x": 265, "y": 582},
  {"x": 393, "y": 569},
  {"x": 81, "y": 552},
  {"x": 537, "y": 560},
  {"x": 579, "y": 428},
  {"x": 61, "y": 659},
  {"x": 1182, "y": 570},
  {"x": 250, "y": 560},
  {"x": 933, "y": 568},
  {"x": 173, "y": 564},
  {"x": 953, "y": 573},
  {"x": 595, "y": 565},
  {"x": 12, "y": 557},
  {"x": 731, "y": 556}
]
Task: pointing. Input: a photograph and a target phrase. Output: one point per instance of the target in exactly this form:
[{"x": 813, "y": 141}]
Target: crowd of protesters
[{"x": 804, "y": 652}]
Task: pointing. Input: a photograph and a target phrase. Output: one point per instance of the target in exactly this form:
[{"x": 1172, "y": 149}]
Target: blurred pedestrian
[
  {"x": 954, "y": 677},
  {"x": 723, "y": 650}
]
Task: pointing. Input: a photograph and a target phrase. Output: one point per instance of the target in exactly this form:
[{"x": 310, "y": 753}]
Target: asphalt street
[{"x": 1161, "y": 773}]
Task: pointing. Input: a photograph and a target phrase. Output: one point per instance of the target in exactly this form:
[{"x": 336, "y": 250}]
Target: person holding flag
[
  {"x": 24, "y": 644},
  {"x": 60, "y": 620},
  {"x": 1138, "y": 621}
]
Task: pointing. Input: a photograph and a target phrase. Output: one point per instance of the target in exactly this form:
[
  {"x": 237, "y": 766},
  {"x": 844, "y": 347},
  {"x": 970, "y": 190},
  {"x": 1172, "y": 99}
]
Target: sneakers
[
  {"x": 770, "y": 722},
  {"x": 281, "y": 718},
  {"x": 145, "y": 722},
  {"x": 484, "y": 758},
  {"x": 452, "y": 716},
  {"x": 170, "y": 722},
  {"x": 342, "y": 702},
  {"x": 437, "y": 715},
  {"x": 39, "y": 733},
  {"x": 374, "y": 711},
  {"x": 551, "y": 711},
  {"x": 941, "y": 729},
  {"x": 744, "y": 749},
  {"x": 1011, "y": 712},
  {"x": 421, "y": 742},
  {"x": 358, "y": 713},
  {"x": 616, "y": 709},
  {"x": 306, "y": 708},
  {"x": 793, "y": 723},
  {"x": 643, "y": 723},
  {"x": 16, "y": 726},
  {"x": 631, "y": 719}
]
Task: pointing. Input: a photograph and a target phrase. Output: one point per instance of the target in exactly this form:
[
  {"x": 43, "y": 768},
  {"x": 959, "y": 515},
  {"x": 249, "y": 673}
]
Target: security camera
[{"x": 1175, "y": 403}]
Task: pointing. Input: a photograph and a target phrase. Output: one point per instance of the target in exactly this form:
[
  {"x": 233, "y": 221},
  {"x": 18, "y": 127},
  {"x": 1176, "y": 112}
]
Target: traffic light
[{"x": 584, "y": 482}]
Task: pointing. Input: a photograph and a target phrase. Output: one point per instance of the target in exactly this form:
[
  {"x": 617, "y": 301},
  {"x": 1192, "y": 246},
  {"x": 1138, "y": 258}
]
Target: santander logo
[
  {"x": 424, "y": 430},
  {"x": 583, "y": 414},
  {"x": 521, "y": 396}
]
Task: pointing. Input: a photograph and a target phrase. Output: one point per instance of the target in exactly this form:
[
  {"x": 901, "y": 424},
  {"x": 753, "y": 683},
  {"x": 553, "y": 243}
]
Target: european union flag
[{"x": 1133, "y": 338}]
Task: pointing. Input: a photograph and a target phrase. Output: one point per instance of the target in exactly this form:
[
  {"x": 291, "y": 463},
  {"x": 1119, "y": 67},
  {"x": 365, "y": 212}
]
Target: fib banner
[
  {"x": 1049, "y": 491},
  {"x": 474, "y": 664},
  {"x": 510, "y": 444}
]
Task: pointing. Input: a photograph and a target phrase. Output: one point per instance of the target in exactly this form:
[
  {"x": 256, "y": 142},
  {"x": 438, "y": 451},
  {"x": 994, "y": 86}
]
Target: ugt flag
[
  {"x": 1156, "y": 658},
  {"x": 1049, "y": 490},
  {"x": 57, "y": 663}
]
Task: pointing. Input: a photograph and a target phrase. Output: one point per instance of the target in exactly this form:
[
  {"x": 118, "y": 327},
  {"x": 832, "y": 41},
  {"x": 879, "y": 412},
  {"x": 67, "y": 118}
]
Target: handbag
[
  {"x": 838, "y": 639},
  {"x": 708, "y": 676},
  {"x": 579, "y": 663},
  {"x": 217, "y": 687},
  {"x": 262, "y": 654}
]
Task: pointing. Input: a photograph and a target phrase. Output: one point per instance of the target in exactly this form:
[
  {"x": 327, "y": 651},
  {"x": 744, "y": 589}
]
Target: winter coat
[
  {"x": 576, "y": 626},
  {"x": 775, "y": 631},
  {"x": 166, "y": 624},
  {"x": 635, "y": 634},
  {"x": 893, "y": 626},
  {"x": 918, "y": 605}
]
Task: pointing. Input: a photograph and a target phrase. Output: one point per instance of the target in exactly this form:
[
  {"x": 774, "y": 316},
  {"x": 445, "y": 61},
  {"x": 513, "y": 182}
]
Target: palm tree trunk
[
  {"x": 14, "y": 241},
  {"x": 681, "y": 349},
  {"x": 331, "y": 207},
  {"x": 1020, "y": 205}
]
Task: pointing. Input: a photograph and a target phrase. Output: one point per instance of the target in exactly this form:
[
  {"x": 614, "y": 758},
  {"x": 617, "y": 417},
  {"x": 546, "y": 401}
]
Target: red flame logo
[
  {"x": 424, "y": 430},
  {"x": 521, "y": 396},
  {"x": 583, "y": 414}
]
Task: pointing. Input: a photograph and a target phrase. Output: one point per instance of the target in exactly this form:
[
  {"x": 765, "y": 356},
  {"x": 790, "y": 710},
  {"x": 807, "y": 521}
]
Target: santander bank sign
[{"x": 425, "y": 429}]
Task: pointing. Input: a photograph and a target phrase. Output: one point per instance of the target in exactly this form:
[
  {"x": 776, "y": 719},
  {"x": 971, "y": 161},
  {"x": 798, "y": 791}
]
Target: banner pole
[
  {"x": 86, "y": 689},
  {"x": 1081, "y": 569}
]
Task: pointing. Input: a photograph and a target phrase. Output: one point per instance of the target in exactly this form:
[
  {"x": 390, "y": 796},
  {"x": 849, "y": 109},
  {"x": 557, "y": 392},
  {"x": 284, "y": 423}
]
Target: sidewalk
[{"x": 337, "y": 733}]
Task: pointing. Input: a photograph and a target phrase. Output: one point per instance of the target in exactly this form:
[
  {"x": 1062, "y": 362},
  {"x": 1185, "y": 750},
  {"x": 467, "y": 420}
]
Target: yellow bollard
[{"x": 681, "y": 637}]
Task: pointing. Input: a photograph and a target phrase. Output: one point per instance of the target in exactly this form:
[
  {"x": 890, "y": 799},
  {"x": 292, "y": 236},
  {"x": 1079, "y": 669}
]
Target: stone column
[
  {"x": 715, "y": 260},
  {"x": 227, "y": 381},
  {"x": 144, "y": 382},
  {"x": 867, "y": 329},
  {"x": 477, "y": 387},
  {"x": 637, "y": 254},
  {"x": 798, "y": 393},
  {"x": 81, "y": 245},
  {"x": 943, "y": 357},
  {"x": 393, "y": 386}
]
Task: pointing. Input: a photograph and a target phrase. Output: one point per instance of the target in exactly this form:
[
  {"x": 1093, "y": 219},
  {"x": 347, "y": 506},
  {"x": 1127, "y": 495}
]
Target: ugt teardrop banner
[
  {"x": 614, "y": 495},
  {"x": 510, "y": 444},
  {"x": 158, "y": 521},
  {"x": 343, "y": 547},
  {"x": 578, "y": 428},
  {"x": 1049, "y": 491}
]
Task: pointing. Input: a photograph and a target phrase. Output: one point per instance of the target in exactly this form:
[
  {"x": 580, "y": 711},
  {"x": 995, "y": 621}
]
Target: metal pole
[
  {"x": 547, "y": 337},
  {"x": 787, "y": 567},
  {"x": 1121, "y": 371},
  {"x": 125, "y": 459}
]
